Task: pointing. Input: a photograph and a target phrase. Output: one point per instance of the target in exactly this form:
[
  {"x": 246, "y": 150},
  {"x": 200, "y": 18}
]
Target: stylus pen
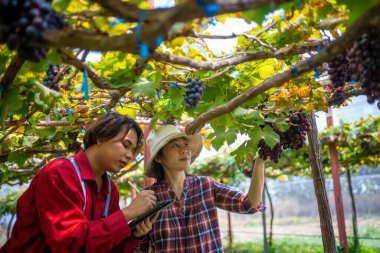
[{"x": 133, "y": 186}]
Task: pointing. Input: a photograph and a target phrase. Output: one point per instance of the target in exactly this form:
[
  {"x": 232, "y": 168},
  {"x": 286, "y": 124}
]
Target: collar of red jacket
[{"x": 84, "y": 166}]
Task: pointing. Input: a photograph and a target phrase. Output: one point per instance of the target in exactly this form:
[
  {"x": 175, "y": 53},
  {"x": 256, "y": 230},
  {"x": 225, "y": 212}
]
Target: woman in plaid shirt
[{"x": 191, "y": 223}]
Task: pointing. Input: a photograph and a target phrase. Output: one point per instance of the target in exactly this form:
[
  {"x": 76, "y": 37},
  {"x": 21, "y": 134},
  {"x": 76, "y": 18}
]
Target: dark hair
[
  {"x": 157, "y": 169},
  {"x": 108, "y": 126}
]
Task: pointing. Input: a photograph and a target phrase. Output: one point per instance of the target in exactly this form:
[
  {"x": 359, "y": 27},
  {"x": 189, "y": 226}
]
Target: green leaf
[
  {"x": 46, "y": 132},
  {"x": 358, "y": 8},
  {"x": 71, "y": 118},
  {"x": 144, "y": 87},
  {"x": 234, "y": 74},
  {"x": 153, "y": 121},
  {"x": 3, "y": 62},
  {"x": 258, "y": 14},
  {"x": 255, "y": 135},
  {"x": 18, "y": 158},
  {"x": 61, "y": 5},
  {"x": 240, "y": 153},
  {"x": 176, "y": 96},
  {"x": 219, "y": 134},
  {"x": 28, "y": 141},
  {"x": 123, "y": 78},
  {"x": 271, "y": 138},
  {"x": 231, "y": 135}
]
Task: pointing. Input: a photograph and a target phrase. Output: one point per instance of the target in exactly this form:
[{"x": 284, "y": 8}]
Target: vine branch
[
  {"x": 243, "y": 57},
  {"x": 155, "y": 23},
  {"x": 11, "y": 72},
  {"x": 372, "y": 17}
]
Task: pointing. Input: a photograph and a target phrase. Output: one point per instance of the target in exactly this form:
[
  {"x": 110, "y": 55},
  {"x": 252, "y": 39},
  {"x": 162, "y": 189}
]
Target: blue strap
[
  {"x": 72, "y": 161},
  {"x": 105, "y": 212},
  {"x": 108, "y": 198}
]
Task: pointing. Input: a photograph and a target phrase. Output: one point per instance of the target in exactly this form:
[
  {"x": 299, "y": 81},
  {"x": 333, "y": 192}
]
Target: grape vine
[
  {"x": 294, "y": 138},
  {"x": 22, "y": 24},
  {"x": 194, "y": 92},
  {"x": 365, "y": 63},
  {"x": 51, "y": 73},
  {"x": 339, "y": 74},
  {"x": 171, "y": 121}
]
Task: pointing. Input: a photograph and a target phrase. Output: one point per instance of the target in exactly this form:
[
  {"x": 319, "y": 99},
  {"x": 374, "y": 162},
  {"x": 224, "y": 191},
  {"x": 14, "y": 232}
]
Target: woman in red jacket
[{"x": 72, "y": 205}]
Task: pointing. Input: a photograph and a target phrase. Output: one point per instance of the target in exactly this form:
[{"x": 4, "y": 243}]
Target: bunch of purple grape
[
  {"x": 338, "y": 97},
  {"x": 364, "y": 59},
  {"x": 340, "y": 74},
  {"x": 171, "y": 121},
  {"x": 22, "y": 24},
  {"x": 194, "y": 92},
  {"x": 51, "y": 73},
  {"x": 265, "y": 151},
  {"x": 295, "y": 136},
  {"x": 339, "y": 71}
]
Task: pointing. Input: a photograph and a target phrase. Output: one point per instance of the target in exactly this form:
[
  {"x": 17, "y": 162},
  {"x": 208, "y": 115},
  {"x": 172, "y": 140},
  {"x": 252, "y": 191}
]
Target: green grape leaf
[
  {"x": 358, "y": 8},
  {"x": 144, "y": 87},
  {"x": 176, "y": 96},
  {"x": 18, "y": 158},
  {"x": 271, "y": 138},
  {"x": 61, "y": 5},
  {"x": 231, "y": 135}
]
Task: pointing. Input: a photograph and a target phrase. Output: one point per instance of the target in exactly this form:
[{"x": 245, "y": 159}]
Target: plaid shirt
[{"x": 191, "y": 223}]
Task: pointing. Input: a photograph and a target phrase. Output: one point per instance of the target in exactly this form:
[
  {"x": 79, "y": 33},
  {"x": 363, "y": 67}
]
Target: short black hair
[{"x": 108, "y": 126}]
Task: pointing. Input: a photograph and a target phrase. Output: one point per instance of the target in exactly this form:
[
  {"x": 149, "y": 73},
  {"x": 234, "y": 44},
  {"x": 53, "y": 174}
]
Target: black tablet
[{"x": 151, "y": 212}]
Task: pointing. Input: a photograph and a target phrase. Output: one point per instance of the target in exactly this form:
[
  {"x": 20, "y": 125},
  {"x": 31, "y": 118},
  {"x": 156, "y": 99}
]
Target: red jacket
[{"x": 50, "y": 217}]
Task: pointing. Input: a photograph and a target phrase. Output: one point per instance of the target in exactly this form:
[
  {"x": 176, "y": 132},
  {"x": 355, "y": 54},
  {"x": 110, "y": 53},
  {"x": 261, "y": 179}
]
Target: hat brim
[{"x": 195, "y": 143}]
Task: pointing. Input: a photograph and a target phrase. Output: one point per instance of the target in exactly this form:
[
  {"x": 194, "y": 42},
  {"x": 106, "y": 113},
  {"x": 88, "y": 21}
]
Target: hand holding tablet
[{"x": 151, "y": 212}]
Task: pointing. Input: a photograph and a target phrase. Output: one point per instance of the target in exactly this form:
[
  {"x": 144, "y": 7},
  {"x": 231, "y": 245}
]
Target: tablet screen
[{"x": 151, "y": 212}]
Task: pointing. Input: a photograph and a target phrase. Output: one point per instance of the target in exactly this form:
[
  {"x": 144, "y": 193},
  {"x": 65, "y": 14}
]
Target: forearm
[{"x": 256, "y": 187}]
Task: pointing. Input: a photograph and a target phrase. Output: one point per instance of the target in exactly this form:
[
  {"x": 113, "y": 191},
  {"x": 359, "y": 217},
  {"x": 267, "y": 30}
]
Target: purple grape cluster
[
  {"x": 338, "y": 97},
  {"x": 365, "y": 63},
  {"x": 51, "y": 73},
  {"x": 171, "y": 121},
  {"x": 295, "y": 136},
  {"x": 22, "y": 24},
  {"x": 339, "y": 70},
  {"x": 194, "y": 92},
  {"x": 339, "y": 74},
  {"x": 265, "y": 151}
]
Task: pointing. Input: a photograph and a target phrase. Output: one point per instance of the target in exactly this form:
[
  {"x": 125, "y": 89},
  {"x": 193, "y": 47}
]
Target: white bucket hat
[{"x": 162, "y": 135}]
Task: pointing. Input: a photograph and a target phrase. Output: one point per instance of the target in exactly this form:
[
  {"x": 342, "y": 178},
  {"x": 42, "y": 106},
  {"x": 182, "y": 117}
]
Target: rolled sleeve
[
  {"x": 118, "y": 226},
  {"x": 232, "y": 200},
  {"x": 251, "y": 208}
]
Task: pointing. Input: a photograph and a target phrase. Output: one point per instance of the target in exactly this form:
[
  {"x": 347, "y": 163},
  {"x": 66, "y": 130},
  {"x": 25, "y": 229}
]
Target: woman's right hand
[{"x": 143, "y": 202}]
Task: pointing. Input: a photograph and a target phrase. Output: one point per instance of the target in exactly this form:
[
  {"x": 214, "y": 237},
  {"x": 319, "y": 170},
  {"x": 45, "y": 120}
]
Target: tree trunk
[
  {"x": 271, "y": 215},
  {"x": 10, "y": 226},
  {"x": 353, "y": 206},
  {"x": 327, "y": 230}
]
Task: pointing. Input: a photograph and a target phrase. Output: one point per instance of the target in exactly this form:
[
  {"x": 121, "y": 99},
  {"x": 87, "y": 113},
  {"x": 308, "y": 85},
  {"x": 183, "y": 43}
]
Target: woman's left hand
[{"x": 145, "y": 226}]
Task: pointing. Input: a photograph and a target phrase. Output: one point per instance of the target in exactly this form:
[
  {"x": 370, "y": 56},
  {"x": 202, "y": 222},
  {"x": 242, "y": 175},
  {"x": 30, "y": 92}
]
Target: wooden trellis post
[
  {"x": 327, "y": 230},
  {"x": 337, "y": 190}
]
